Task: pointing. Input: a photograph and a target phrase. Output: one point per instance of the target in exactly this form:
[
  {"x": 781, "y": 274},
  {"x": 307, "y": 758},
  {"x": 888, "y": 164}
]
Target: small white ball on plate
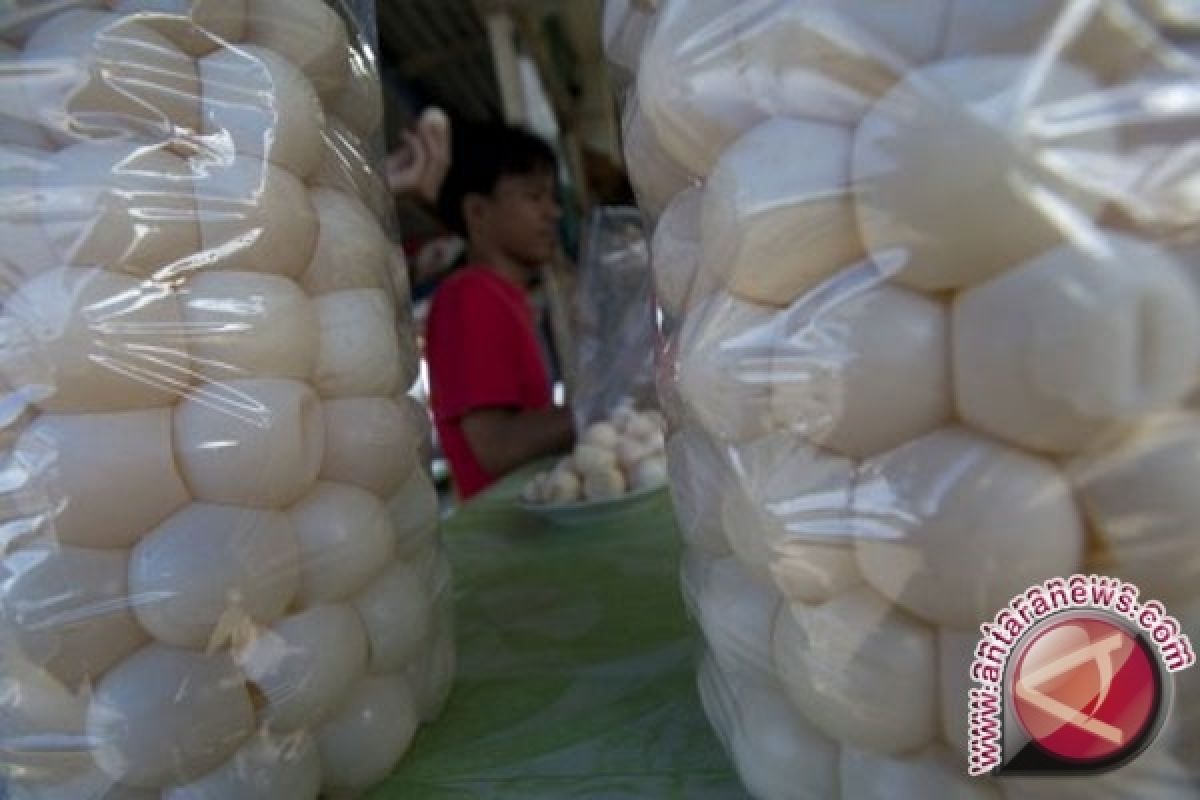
[
  {"x": 592, "y": 458},
  {"x": 563, "y": 487},
  {"x": 351, "y": 251},
  {"x": 254, "y": 216},
  {"x": 396, "y": 609},
  {"x": 210, "y": 568},
  {"x": 360, "y": 353},
  {"x": 1081, "y": 337},
  {"x": 255, "y": 442},
  {"x": 372, "y": 442},
  {"x": 601, "y": 434},
  {"x": 166, "y": 716},
  {"x": 267, "y": 767},
  {"x": 345, "y": 538},
  {"x": 862, "y": 367},
  {"x": 372, "y": 730},
  {"x": 962, "y": 524},
  {"x": 196, "y": 26},
  {"x": 603, "y": 484},
  {"x": 415, "y": 513},
  {"x": 309, "y": 33},
  {"x": 92, "y": 340},
  {"x": 70, "y": 609},
  {"x": 650, "y": 473},
  {"x": 103, "y": 75},
  {"x": 860, "y": 670},
  {"x": 789, "y": 514},
  {"x": 115, "y": 472},
  {"x": 305, "y": 665},
  {"x": 1141, "y": 499},
  {"x": 249, "y": 325},
  {"x": 258, "y": 104},
  {"x": 940, "y": 212},
  {"x": 777, "y": 222},
  {"x": 933, "y": 773}
]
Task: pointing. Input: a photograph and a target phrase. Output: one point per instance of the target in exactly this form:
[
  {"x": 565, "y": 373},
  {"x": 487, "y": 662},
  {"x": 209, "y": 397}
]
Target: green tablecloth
[{"x": 576, "y": 665}]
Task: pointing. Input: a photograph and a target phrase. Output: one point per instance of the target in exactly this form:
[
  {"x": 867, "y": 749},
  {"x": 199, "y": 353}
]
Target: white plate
[{"x": 594, "y": 511}]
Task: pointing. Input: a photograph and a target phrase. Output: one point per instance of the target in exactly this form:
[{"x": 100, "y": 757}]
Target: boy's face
[{"x": 522, "y": 217}]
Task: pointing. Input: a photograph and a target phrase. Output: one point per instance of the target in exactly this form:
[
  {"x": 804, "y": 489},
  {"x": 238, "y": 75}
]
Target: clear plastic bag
[
  {"x": 934, "y": 270},
  {"x": 616, "y": 332},
  {"x": 220, "y": 570}
]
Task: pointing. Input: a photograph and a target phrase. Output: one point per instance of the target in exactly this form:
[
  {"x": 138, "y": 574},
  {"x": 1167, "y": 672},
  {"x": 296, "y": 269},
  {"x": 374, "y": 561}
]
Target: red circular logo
[{"x": 1085, "y": 689}]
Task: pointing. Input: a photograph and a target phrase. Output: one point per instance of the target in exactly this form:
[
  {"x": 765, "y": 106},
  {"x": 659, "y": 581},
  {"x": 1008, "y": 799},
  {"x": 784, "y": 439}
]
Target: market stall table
[{"x": 576, "y": 664}]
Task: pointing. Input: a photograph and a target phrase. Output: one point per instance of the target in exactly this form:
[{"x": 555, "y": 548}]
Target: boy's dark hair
[{"x": 483, "y": 154}]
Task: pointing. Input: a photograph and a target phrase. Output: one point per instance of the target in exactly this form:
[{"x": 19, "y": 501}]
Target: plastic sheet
[
  {"x": 934, "y": 268},
  {"x": 220, "y": 569}
]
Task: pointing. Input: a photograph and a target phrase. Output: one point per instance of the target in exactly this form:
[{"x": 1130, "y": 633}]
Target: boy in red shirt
[{"x": 489, "y": 383}]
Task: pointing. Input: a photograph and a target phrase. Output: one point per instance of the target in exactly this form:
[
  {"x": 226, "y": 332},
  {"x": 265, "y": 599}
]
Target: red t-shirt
[{"x": 482, "y": 347}]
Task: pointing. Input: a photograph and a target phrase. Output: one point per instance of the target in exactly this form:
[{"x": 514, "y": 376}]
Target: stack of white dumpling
[
  {"x": 933, "y": 348},
  {"x": 220, "y": 570},
  {"x": 614, "y": 457}
]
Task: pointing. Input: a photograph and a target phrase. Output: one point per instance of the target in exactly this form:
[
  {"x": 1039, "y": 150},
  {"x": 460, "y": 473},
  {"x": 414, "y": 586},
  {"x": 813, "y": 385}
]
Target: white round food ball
[
  {"x": 655, "y": 176},
  {"x": 776, "y": 221},
  {"x": 601, "y": 434},
  {"x": 592, "y": 458},
  {"x": 92, "y": 340},
  {"x": 69, "y": 609},
  {"x": 360, "y": 352},
  {"x": 309, "y": 33},
  {"x": 260, "y": 105},
  {"x": 1051, "y": 353},
  {"x": 18, "y": 121},
  {"x": 650, "y": 473},
  {"x": 249, "y": 325},
  {"x": 116, "y": 473},
  {"x": 631, "y": 452},
  {"x": 1141, "y": 500},
  {"x": 196, "y": 26},
  {"x": 369, "y": 734},
  {"x": 256, "y": 442},
  {"x": 862, "y": 369},
  {"x": 345, "y": 538},
  {"x": 984, "y": 200},
  {"x": 789, "y": 514},
  {"x": 211, "y": 567},
  {"x": 760, "y": 61},
  {"x": 1109, "y": 40},
  {"x": 254, "y": 216},
  {"x": 737, "y": 616},
  {"x": 862, "y": 671},
  {"x": 941, "y": 547},
  {"x": 352, "y": 250},
  {"x": 695, "y": 480},
  {"x": 777, "y": 753},
  {"x": 603, "y": 484},
  {"x": 956, "y": 651},
  {"x": 104, "y": 75},
  {"x": 19, "y": 18},
  {"x": 931, "y": 774},
  {"x": 128, "y": 208},
  {"x": 305, "y": 665},
  {"x": 563, "y": 487},
  {"x": 679, "y": 282},
  {"x": 415, "y": 513},
  {"x": 34, "y": 705},
  {"x": 344, "y": 154},
  {"x": 268, "y": 767},
  {"x": 726, "y": 348},
  {"x": 27, "y": 249},
  {"x": 372, "y": 442},
  {"x": 396, "y": 609},
  {"x": 168, "y": 716}
]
